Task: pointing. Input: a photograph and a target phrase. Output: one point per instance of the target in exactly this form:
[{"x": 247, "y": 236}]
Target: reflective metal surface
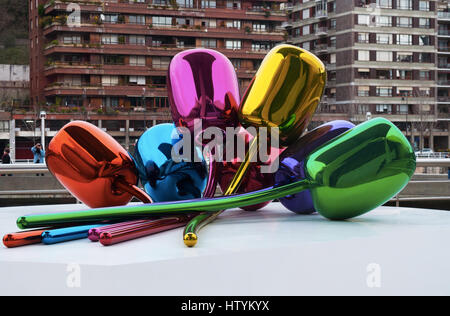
[
  {"x": 94, "y": 233},
  {"x": 93, "y": 166},
  {"x": 163, "y": 178},
  {"x": 285, "y": 92},
  {"x": 117, "y": 235},
  {"x": 292, "y": 163},
  {"x": 360, "y": 170},
  {"x": 54, "y": 236},
  {"x": 23, "y": 238},
  {"x": 354, "y": 173},
  {"x": 202, "y": 84}
]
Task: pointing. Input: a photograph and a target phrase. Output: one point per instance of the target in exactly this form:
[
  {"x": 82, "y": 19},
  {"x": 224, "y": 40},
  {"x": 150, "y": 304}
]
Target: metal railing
[{"x": 26, "y": 168}]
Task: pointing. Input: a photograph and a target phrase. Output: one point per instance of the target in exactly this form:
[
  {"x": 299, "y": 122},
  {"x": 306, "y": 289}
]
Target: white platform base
[{"x": 388, "y": 251}]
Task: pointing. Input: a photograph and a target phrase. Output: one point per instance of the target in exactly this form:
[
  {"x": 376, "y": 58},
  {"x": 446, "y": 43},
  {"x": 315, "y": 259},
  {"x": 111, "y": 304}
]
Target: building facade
[
  {"x": 384, "y": 58},
  {"x": 106, "y": 61}
]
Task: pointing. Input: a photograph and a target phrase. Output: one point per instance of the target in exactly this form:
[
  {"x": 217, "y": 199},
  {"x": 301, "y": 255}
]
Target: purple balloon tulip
[{"x": 292, "y": 163}]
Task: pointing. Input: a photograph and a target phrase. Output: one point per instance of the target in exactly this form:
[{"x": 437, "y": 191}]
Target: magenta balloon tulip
[{"x": 202, "y": 84}]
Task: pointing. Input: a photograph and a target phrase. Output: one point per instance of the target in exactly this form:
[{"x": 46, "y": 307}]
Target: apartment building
[
  {"x": 106, "y": 61},
  {"x": 384, "y": 58}
]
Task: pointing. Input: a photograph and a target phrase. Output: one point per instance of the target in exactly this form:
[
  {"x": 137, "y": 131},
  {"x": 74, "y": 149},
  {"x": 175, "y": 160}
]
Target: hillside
[{"x": 13, "y": 28}]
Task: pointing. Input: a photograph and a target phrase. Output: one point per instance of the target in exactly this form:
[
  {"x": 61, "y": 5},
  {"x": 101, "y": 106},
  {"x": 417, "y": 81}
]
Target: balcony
[
  {"x": 321, "y": 15},
  {"x": 286, "y": 24},
  {"x": 443, "y": 83},
  {"x": 321, "y": 48},
  {"x": 444, "y": 16},
  {"x": 322, "y": 31},
  {"x": 443, "y": 49},
  {"x": 443, "y": 32}
]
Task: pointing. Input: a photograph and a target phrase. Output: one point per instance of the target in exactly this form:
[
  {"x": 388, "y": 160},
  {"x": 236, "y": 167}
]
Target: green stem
[{"x": 164, "y": 208}]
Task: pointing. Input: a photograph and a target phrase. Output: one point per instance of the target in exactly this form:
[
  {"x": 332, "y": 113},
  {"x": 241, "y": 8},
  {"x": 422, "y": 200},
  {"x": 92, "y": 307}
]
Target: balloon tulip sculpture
[
  {"x": 162, "y": 177},
  {"x": 292, "y": 163},
  {"x": 93, "y": 166},
  {"x": 338, "y": 169},
  {"x": 347, "y": 177},
  {"x": 284, "y": 93},
  {"x": 203, "y": 90}
]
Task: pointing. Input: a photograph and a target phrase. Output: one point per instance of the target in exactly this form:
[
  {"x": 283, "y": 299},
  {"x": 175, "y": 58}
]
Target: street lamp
[{"x": 43, "y": 116}]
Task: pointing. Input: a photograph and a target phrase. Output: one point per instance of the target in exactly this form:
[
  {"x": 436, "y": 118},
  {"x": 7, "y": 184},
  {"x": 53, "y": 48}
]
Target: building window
[
  {"x": 384, "y": 108},
  {"x": 363, "y": 19},
  {"x": 364, "y": 55},
  {"x": 333, "y": 24},
  {"x": 384, "y": 74},
  {"x": 404, "y": 39},
  {"x": 384, "y": 38},
  {"x": 384, "y": 56},
  {"x": 363, "y": 91},
  {"x": 405, "y": 57},
  {"x": 137, "y": 60},
  {"x": 110, "y": 80},
  {"x": 305, "y": 30},
  {"x": 384, "y": 4},
  {"x": 113, "y": 60},
  {"x": 137, "y": 40},
  {"x": 424, "y": 75},
  {"x": 404, "y": 74},
  {"x": 110, "y": 18},
  {"x": 110, "y": 39},
  {"x": 404, "y": 22},
  {"x": 424, "y": 40},
  {"x": 425, "y": 92},
  {"x": 209, "y": 43},
  {"x": 72, "y": 39},
  {"x": 424, "y": 23},
  {"x": 261, "y": 46},
  {"x": 402, "y": 108},
  {"x": 259, "y": 27},
  {"x": 425, "y": 57},
  {"x": 236, "y": 5},
  {"x": 364, "y": 73},
  {"x": 332, "y": 59},
  {"x": 162, "y": 20},
  {"x": 424, "y": 6},
  {"x": 236, "y": 24},
  {"x": 384, "y": 91},
  {"x": 232, "y": 44},
  {"x": 363, "y": 108},
  {"x": 404, "y": 4},
  {"x": 236, "y": 63},
  {"x": 208, "y": 3},
  {"x": 383, "y": 20},
  {"x": 136, "y": 19},
  {"x": 185, "y": 3},
  {"x": 306, "y": 14},
  {"x": 160, "y": 62},
  {"x": 137, "y": 80},
  {"x": 363, "y": 38}
]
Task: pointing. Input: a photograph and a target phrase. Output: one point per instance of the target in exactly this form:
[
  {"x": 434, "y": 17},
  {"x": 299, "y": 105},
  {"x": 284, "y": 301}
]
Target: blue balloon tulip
[
  {"x": 291, "y": 163},
  {"x": 163, "y": 178}
]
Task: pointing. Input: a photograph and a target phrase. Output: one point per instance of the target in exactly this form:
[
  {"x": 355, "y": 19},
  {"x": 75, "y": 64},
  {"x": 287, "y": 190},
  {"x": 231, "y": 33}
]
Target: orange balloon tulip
[{"x": 93, "y": 166}]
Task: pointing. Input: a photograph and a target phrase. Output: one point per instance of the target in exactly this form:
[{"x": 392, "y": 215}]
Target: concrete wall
[
  {"x": 14, "y": 82},
  {"x": 14, "y": 72}
]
